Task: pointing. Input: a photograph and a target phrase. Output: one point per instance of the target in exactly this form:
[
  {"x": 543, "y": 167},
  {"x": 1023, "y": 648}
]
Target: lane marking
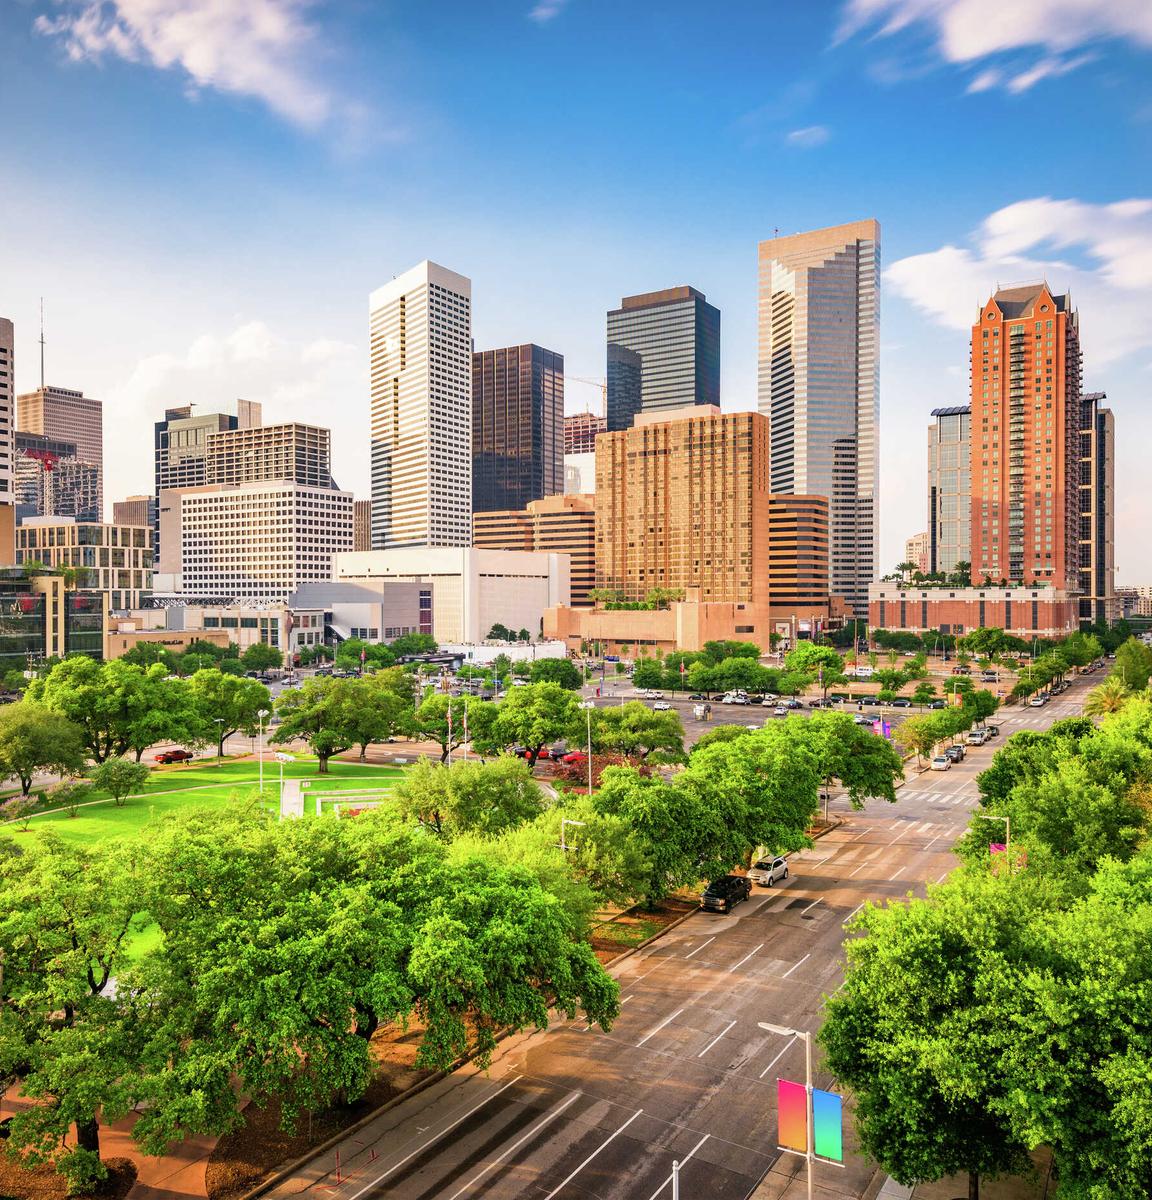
[
  {"x": 603, "y": 1145},
  {"x": 627, "y": 998},
  {"x": 547, "y": 1120},
  {"x": 944, "y": 876},
  {"x": 683, "y": 1161},
  {"x": 894, "y": 877},
  {"x": 933, "y": 841},
  {"x": 701, "y": 946},
  {"x": 745, "y": 958},
  {"x": 716, "y": 1039},
  {"x": 812, "y": 905},
  {"x": 854, "y": 912},
  {"x": 435, "y": 1138},
  {"x": 655, "y": 1031},
  {"x": 778, "y": 1057},
  {"x": 800, "y": 963},
  {"x": 861, "y": 867}
]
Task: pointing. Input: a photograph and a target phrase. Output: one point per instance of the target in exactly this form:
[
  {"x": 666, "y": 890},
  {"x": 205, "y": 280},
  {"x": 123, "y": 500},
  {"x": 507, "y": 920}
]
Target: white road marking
[
  {"x": 933, "y": 841},
  {"x": 778, "y": 1057},
  {"x": 812, "y": 905},
  {"x": 716, "y": 1039},
  {"x": 603, "y": 1145},
  {"x": 547, "y": 1119},
  {"x": 682, "y": 1163},
  {"x": 701, "y": 946},
  {"x": 943, "y": 877},
  {"x": 745, "y": 958},
  {"x": 627, "y": 998},
  {"x": 802, "y": 961},
  {"x": 424, "y": 1146},
  {"x": 655, "y": 1031},
  {"x": 858, "y": 869},
  {"x": 897, "y": 873},
  {"x": 853, "y": 912}
]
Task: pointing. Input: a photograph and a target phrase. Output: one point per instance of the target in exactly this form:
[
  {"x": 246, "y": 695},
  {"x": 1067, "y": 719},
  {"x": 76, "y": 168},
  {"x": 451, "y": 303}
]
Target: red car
[
  {"x": 173, "y": 756},
  {"x": 577, "y": 756}
]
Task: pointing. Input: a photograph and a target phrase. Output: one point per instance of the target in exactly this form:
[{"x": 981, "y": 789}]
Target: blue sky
[{"x": 206, "y": 191}]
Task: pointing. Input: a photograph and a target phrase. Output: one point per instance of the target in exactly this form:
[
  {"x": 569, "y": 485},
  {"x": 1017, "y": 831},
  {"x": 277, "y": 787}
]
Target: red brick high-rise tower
[{"x": 1025, "y": 443}]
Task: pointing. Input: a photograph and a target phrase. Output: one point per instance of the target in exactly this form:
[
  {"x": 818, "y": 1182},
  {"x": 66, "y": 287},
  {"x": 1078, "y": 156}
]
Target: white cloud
[
  {"x": 809, "y": 138},
  {"x": 967, "y": 31},
  {"x": 1108, "y": 269},
  {"x": 547, "y": 10},
  {"x": 257, "y": 48}
]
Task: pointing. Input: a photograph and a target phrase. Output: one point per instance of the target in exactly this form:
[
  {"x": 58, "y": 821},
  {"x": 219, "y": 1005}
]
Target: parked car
[
  {"x": 977, "y": 737},
  {"x": 955, "y": 753},
  {"x": 941, "y": 763},
  {"x": 174, "y": 756},
  {"x": 723, "y": 894},
  {"x": 768, "y": 870},
  {"x": 961, "y": 671},
  {"x": 937, "y": 704},
  {"x": 661, "y": 706},
  {"x": 993, "y": 730},
  {"x": 735, "y": 700},
  {"x": 556, "y": 754},
  {"x": 1037, "y": 701},
  {"x": 781, "y": 710},
  {"x": 575, "y": 757},
  {"x": 901, "y": 702},
  {"x": 861, "y": 719},
  {"x": 989, "y": 677},
  {"x": 696, "y": 696},
  {"x": 793, "y": 703}
]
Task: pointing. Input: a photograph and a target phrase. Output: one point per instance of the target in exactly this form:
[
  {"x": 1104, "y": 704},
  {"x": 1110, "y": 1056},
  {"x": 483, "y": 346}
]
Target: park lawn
[{"x": 171, "y": 789}]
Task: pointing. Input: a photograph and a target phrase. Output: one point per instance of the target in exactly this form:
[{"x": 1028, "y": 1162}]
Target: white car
[
  {"x": 661, "y": 706},
  {"x": 781, "y": 710},
  {"x": 768, "y": 870},
  {"x": 941, "y": 763},
  {"x": 1038, "y": 701}
]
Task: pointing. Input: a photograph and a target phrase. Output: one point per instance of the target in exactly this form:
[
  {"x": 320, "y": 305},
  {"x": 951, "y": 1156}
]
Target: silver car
[{"x": 768, "y": 870}]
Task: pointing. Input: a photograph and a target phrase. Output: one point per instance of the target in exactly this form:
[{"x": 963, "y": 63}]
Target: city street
[{"x": 685, "y": 1074}]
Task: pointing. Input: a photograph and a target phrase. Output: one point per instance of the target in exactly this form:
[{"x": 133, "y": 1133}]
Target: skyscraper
[
  {"x": 676, "y": 336},
  {"x": 580, "y": 430},
  {"x": 421, "y": 379},
  {"x": 517, "y": 427},
  {"x": 53, "y": 481},
  {"x": 1026, "y": 445},
  {"x": 134, "y": 510},
  {"x": 7, "y": 413},
  {"x": 301, "y": 453},
  {"x": 1097, "y": 511},
  {"x": 67, "y": 415},
  {"x": 361, "y": 524},
  {"x": 819, "y": 384},
  {"x": 949, "y": 488}
]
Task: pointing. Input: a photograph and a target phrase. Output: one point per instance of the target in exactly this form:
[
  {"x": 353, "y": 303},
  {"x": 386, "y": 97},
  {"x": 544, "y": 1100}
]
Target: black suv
[{"x": 726, "y": 892}]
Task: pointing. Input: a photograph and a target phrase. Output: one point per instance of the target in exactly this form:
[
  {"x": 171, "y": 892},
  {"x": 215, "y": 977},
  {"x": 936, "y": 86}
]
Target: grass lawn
[{"x": 172, "y": 788}]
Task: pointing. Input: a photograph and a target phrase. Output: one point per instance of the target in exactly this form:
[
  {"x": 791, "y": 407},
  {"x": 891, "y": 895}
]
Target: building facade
[
  {"x": 672, "y": 340},
  {"x": 51, "y": 480},
  {"x": 134, "y": 510},
  {"x": 69, "y": 416},
  {"x": 421, "y": 428},
  {"x": 555, "y": 524},
  {"x": 302, "y": 453},
  {"x": 1034, "y": 611},
  {"x": 580, "y": 430},
  {"x": 798, "y": 559},
  {"x": 916, "y": 551},
  {"x": 7, "y": 412},
  {"x": 517, "y": 426},
  {"x": 113, "y": 559},
  {"x": 362, "y": 525},
  {"x": 949, "y": 488},
  {"x": 471, "y": 589},
  {"x": 1097, "y": 584},
  {"x": 256, "y": 542},
  {"x": 682, "y": 502},
  {"x": 1025, "y": 442},
  {"x": 818, "y": 384}
]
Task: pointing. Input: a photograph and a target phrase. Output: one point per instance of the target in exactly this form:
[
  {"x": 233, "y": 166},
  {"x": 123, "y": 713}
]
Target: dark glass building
[
  {"x": 517, "y": 427},
  {"x": 675, "y": 335},
  {"x": 22, "y": 622}
]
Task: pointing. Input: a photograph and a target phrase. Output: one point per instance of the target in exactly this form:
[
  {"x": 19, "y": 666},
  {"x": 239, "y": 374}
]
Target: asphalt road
[{"x": 685, "y": 1073}]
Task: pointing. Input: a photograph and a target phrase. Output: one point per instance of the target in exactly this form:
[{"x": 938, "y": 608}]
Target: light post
[
  {"x": 263, "y": 714},
  {"x": 588, "y": 706},
  {"x": 810, "y": 1153},
  {"x": 282, "y": 759},
  {"x": 567, "y": 821},
  {"x": 220, "y": 740}
]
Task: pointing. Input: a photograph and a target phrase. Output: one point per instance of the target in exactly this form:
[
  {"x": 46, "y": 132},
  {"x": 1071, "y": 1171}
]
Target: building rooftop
[
  {"x": 957, "y": 410},
  {"x": 1016, "y": 301},
  {"x": 667, "y": 296}
]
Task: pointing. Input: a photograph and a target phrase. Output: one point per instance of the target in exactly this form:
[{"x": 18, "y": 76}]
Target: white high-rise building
[
  {"x": 7, "y": 413},
  {"x": 819, "y": 385},
  {"x": 421, "y": 371}
]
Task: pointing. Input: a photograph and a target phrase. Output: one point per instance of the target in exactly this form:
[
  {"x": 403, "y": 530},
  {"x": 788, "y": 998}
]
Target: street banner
[
  {"x": 792, "y": 1117},
  {"x": 828, "y": 1124}
]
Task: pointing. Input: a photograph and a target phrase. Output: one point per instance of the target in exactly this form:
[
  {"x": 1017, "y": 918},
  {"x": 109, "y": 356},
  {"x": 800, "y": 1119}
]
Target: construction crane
[{"x": 602, "y": 384}]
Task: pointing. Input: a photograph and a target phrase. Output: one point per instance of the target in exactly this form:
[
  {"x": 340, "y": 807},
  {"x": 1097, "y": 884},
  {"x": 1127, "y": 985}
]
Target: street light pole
[
  {"x": 588, "y": 714},
  {"x": 567, "y": 821},
  {"x": 810, "y": 1153},
  {"x": 263, "y": 716}
]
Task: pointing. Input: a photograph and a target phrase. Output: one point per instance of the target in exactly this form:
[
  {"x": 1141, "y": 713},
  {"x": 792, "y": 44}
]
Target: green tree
[
  {"x": 1025, "y": 756},
  {"x": 262, "y": 657},
  {"x": 557, "y": 670},
  {"x": 535, "y": 716},
  {"x": 120, "y": 778},
  {"x": 371, "y": 710},
  {"x": 721, "y": 733},
  {"x": 499, "y": 633},
  {"x": 647, "y": 674},
  {"x": 413, "y": 643},
  {"x": 1133, "y": 665},
  {"x": 501, "y": 667},
  {"x": 866, "y": 764},
  {"x": 636, "y": 731},
  {"x": 1109, "y": 697},
  {"x": 921, "y": 1021},
  {"x": 717, "y": 651},
  {"x": 32, "y": 738},
  {"x": 444, "y": 720},
  {"x": 808, "y": 658},
  {"x": 318, "y": 713},
  {"x": 469, "y": 797},
  {"x": 145, "y": 654},
  {"x": 227, "y": 704}
]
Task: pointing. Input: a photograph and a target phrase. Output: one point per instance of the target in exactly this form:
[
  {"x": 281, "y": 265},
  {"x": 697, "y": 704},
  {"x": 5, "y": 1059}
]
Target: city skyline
[{"x": 265, "y": 299}]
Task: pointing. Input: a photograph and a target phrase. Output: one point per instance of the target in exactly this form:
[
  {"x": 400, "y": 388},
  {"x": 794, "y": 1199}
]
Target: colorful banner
[
  {"x": 827, "y": 1121},
  {"x": 792, "y": 1102}
]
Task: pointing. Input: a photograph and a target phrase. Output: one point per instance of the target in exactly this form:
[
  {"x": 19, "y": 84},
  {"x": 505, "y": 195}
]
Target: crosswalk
[{"x": 946, "y": 799}]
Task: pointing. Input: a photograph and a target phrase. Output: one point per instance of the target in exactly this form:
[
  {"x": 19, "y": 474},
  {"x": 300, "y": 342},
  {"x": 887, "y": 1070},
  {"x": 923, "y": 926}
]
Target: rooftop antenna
[{"x": 41, "y": 343}]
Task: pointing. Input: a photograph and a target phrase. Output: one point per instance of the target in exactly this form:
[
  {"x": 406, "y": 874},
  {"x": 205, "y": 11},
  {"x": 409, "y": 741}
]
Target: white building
[
  {"x": 421, "y": 378},
  {"x": 257, "y": 542},
  {"x": 472, "y": 590}
]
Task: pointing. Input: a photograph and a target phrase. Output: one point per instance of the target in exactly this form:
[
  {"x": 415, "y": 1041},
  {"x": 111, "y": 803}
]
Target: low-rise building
[
  {"x": 41, "y": 618},
  {"x": 115, "y": 559},
  {"x": 473, "y": 589},
  {"x": 1023, "y": 611}
]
